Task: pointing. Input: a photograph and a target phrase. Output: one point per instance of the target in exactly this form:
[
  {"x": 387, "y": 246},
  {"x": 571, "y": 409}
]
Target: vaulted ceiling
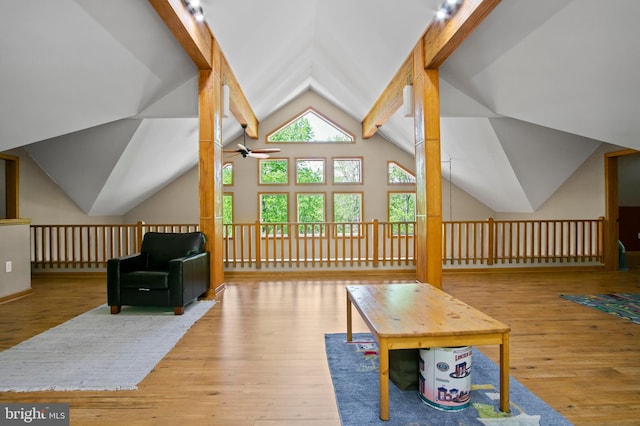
[{"x": 104, "y": 99}]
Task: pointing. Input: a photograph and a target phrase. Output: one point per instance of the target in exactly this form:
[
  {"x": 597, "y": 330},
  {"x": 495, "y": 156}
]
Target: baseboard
[{"x": 16, "y": 296}]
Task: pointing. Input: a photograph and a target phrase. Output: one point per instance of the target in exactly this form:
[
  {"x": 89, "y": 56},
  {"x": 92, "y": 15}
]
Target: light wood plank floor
[{"x": 257, "y": 358}]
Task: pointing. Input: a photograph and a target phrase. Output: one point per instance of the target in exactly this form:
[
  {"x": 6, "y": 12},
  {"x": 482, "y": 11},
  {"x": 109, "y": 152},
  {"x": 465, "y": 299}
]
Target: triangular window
[
  {"x": 310, "y": 126},
  {"x": 398, "y": 174}
]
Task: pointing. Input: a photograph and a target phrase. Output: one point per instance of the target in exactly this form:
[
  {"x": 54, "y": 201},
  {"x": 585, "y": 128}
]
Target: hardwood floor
[{"x": 257, "y": 357}]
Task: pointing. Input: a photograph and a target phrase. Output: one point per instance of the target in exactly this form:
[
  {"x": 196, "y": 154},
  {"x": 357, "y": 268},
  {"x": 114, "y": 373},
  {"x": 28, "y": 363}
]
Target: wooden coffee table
[{"x": 413, "y": 315}]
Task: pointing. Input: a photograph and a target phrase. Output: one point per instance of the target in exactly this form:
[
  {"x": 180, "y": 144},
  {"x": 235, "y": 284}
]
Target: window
[
  {"x": 310, "y": 126},
  {"x": 347, "y": 207},
  {"x": 398, "y": 174},
  {"x": 227, "y": 173},
  {"x": 274, "y": 208},
  {"x": 310, "y": 171},
  {"x": 274, "y": 171},
  {"x": 402, "y": 208},
  {"x": 310, "y": 209},
  {"x": 347, "y": 170},
  {"x": 227, "y": 213}
]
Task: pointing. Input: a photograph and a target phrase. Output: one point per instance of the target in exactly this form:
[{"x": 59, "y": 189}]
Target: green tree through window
[
  {"x": 310, "y": 210},
  {"x": 274, "y": 171},
  {"x": 402, "y": 208},
  {"x": 310, "y": 171},
  {"x": 347, "y": 207},
  {"x": 274, "y": 208},
  {"x": 310, "y": 127},
  {"x": 398, "y": 174}
]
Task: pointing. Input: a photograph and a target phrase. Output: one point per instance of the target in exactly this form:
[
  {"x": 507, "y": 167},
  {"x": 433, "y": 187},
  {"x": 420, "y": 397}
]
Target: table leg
[
  {"x": 383, "y": 351},
  {"x": 349, "y": 323},
  {"x": 504, "y": 374}
]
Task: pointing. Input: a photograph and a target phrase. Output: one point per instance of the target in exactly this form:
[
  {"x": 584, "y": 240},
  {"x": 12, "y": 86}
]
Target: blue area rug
[
  {"x": 354, "y": 371},
  {"x": 623, "y": 305}
]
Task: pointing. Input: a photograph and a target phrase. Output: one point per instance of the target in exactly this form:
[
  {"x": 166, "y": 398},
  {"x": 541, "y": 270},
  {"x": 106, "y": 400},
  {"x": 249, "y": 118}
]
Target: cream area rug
[{"x": 97, "y": 350}]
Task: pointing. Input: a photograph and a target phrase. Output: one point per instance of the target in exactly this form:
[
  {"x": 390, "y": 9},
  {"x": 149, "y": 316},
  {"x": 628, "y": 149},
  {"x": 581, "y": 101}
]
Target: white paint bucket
[{"x": 445, "y": 377}]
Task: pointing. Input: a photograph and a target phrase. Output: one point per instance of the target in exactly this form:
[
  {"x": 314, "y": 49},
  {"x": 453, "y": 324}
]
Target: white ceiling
[{"x": 103, "y": 97}]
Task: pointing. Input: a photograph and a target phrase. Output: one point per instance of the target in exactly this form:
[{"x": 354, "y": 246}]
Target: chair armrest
[
  {"x": 188, "y": 278},
  {"x": 118, "y": 266}
]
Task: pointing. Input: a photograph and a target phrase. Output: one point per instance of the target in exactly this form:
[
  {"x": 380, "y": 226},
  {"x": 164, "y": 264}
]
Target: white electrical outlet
[{"x": 8, "y": 266}]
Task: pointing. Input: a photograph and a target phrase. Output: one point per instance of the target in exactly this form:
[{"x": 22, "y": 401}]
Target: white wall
[
  {"x": 14, "y": 248},
  {"x": 580, "y": 197},
  {"x": 41, "y": 200}
]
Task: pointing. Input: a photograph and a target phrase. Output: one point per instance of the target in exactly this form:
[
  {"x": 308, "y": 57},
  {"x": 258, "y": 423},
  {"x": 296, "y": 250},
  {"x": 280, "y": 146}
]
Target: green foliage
[
  {"x": 399, "y": 175},
  {"x": 310, "y": 171},
  {"x": 227, "y": 174},
  {"x": 298, "y": 131},
  {"x": 274, "y": 171},
  {"x": 310, "y": 210},
  {"x": 347, "y": 171},
  {"x": 227, "y": 208},
  {"x": 402, "y": 208},
  {"x": 274, "y": 207}
]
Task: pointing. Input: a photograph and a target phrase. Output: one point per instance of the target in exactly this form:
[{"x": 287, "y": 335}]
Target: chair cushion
[
  {"x": 153, "y": 280},
  {"x": 162, "y": 247}
]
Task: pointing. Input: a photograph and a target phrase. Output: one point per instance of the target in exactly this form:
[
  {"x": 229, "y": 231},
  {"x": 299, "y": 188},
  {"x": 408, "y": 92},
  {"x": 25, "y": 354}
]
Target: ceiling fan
[{"x": 246, "y": 152}]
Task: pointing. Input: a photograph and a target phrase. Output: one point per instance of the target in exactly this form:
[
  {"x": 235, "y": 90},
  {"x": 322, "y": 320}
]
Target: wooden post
[
  {"x": 428, "y": 171},
  {"x": 491, "y": 240},
  {"x": 210, "y": 166},
  {"x": 258, "y": 239},
  {"x": 376, "y": 240}
]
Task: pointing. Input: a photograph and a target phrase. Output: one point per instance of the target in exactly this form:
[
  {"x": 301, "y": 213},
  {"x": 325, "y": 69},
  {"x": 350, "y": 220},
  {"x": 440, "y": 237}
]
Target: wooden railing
[{"x": 366, "y": 245}]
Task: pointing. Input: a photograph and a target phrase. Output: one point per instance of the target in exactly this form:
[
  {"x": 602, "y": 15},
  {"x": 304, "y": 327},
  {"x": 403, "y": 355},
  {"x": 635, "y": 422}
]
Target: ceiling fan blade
[
  {"x": 257, "y": 155},
  {"x": 242, "y": 147},
  {"x": 265, "y": 150}
]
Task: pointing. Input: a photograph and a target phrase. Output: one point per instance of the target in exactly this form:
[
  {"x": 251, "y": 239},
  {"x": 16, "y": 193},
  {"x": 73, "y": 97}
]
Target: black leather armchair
[{"x": 171, "y": 270}]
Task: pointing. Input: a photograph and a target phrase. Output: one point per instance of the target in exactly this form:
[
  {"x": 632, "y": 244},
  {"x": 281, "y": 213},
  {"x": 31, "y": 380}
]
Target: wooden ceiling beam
[
  {"x": 197, "y": 40},
  {"x": 238, "y": 103},
  {"x": 194, "y": 37},
  {"x": 389, "y": 101},
  {"x": 439, "y": 41}
]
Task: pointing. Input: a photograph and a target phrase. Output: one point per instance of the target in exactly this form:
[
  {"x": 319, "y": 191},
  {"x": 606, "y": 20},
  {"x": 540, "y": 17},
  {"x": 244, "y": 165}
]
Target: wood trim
[
  {"x": 195, "y": 37},
  {"x": 440, "y": 41},
  {"x": 239, "y": 105},
  {"x": 12, "y": 185},
  {"x": 15, "y": 296},
  {"x": 389, "y": 101},
  {"x": 437, "y": 43},
  {"x": 611, "y": 237}
]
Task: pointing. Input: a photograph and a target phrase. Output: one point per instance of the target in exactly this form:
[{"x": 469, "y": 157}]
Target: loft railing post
[
  {"x": 490, "y": 240},
  {"x": 258, "y": 245},
  {"x": 601, "y": 239},
  {"x": 376, "y": 240},
  {"x": 139, "y": 235}
]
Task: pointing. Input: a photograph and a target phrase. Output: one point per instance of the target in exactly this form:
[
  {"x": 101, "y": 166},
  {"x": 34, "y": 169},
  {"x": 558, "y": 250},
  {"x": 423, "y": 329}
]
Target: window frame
[
  {"x": 226, "y": 164},
  {"x": 324, "y": 214},
  {"x": 286, "y": 230},
  {"x": 324, "y": 170},
  {"x": 272, "y": 159},
  {"x": 347, "y": 158},
  {"x": 394, "y": 231},
  {"x": 404, "y": 169},
  {"x": 319, "y": 115},
  {"x": 338, "y": 234}
]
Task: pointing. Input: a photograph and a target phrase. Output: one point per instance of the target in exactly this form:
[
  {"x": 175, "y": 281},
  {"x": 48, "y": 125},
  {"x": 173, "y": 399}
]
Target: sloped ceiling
[{"x": 105, "y": 100}]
